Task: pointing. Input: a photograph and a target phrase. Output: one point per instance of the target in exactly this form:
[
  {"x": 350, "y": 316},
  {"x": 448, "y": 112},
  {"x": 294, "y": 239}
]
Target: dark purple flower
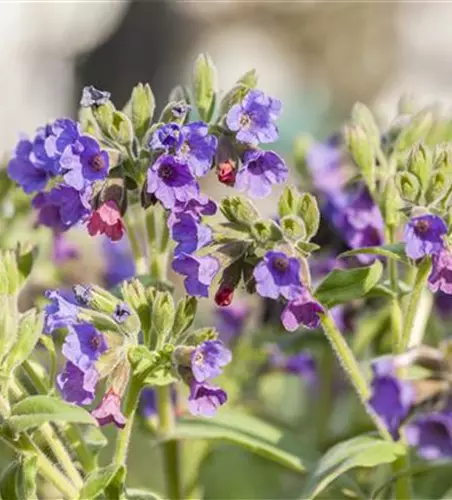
[
  {"x": 253, "y": 118},
  {"x": 303, "y": 310},
  {"x": 109, "y": 411},
  {"x": 302, "y": 364},
  {"x": 391, "y": 397},
  {"x": 148, "y": 401},
  {"x": 443, "y": 303},
  {"x": 95, "y": 162},
  {"x": 122, "y": 312},
  {"x": 62, "y": 312},
  {"x": 230, "y": 321},
  {"x": 277, "y": 274},
  {"x": 119, "y": 263},
  {"x": 62, "y": 207},
  {"x": 199, "y": 272},
  {"x": 198, "y": 147},
  {"x": 260, "y": 170},
  {"x": 168, "y": 138},
  {"x": 170, "y": 180},
  {"x": 205, "y": 399},
  {"x": 324, "y": 162},
  {"x": 208, "y": 359},
  {"x": 77, "y": 386},
  {"x": 93, "y": 97},
  {"x": 441, "y": 275},
  {"x": 424, "y": 235},
  {"x": 431, "y": 435},
  {"x": 196, "y": 207},
  {"x": 83, "y": 346},
  {"x": 62, "y": 249},
  {"x": 189, "y": 234}
]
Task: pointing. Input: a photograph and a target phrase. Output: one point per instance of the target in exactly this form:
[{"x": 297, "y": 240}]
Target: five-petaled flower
[{"x": 424, "y": 235}]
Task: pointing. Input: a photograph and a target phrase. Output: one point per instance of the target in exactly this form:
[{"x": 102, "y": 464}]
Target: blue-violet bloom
[{"x": 424, "y": 235}]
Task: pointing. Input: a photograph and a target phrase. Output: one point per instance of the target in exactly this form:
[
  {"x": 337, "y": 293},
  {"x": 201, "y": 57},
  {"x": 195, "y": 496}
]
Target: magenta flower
[{"x": 109, "y": 410}]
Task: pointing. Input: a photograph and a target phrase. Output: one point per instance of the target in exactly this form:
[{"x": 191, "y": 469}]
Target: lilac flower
[
  {"x": 198, "y": 148},
  {"x": 93, "y": 97},
  {"x": 168, "y": 138},
  {"x": 83, "y": 346},
  {"x": 95, "y": 162},
  {"x": 196, "y": 208},
  {"x": 63, "y": 250},
  {"x": 441, "y": 275},
  {"x": 77, "y": 386},
  {"x": 391, "y": 397},
  {"x": 199, "y": 272},
  {"x": 302, "y": 364},
  {"x": 304, "y": 309},
  {"x": 253, "y": 118},
  {"x": 276, "y": 274},
  {"x": 260, "y": 170},
  {"x": 119, "y": 263},
  {"x": 62, "y": 207},
  {"x": 208, "y": 359},
  {"x": 324, "y": 162},
  {"x": 230, "y": 321},
  {"x": 62, "y": 312},
  {"x": 424, "y": 236},
  {"x": 431, "y": 435},
  {"x": 189, "y": 235},
  {"x": 109, "y": 411},
  {"x": 205, "y": 399},
  {"x": 122, "y": 312},
  {"x": 171, "y": 180}
]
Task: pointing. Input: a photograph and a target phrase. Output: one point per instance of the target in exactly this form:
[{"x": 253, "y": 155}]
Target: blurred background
[{"x": 317, "y": 57}]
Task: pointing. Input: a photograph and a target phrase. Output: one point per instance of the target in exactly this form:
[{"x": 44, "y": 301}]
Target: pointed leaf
[
  {"x": 138, "y": 494},
  {"x": 97, "y": 481},
  {"x": 395, "y": 251}
]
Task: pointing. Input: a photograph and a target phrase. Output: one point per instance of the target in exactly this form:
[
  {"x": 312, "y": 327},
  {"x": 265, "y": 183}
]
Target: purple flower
[
  {"x": 441, "y": 275},
  {"x": 95, "y": 162},
  {"x": 253, "y": 118},
  {"x": 324, "y": 162},
  {"x": 443, "y": 304},
  {"x": 205, "y": 399},
  {"x": 122, "y": 312},
  {"x": 198, "y": 148},
  {"x": 302, "y": 364},
  {"x": 109, "y": 411},
  {"x": 83, "y": 346},
  {"x": 199, "y": 272},
  {"x": 170, "y": 180},
  {"x": 196, "y": 207},
  {"x": 62, "y": 207},
  {"x": 391, "y": 397},
  {"x": 168, "y": 138},
  {"x": 77, "y": 386},
  {"x": 304, "y": 310},
  {"x": 230, "y": 321},
  {"x": 148, "y": 401},
  {"x": 208, "y": 359},
  {"x": 260, "y": 170},
  {"x": 63, "y": 250},
  {"x": 276, "y": 274},
  {"x": 62, "y": 312},
  {"x": 93, "y": 97},
  {"x": 119, "y": 263},
  {"x": 189, "y": 235},
  {"x": 424, "y": 236},
  {"x": 431, "y": 435}
]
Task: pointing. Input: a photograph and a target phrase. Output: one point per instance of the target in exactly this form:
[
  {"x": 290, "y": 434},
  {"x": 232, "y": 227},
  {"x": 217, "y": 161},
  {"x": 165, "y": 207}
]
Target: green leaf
[
  {"x": 97, "y": 481},
  {"x": 288, "y": 202},
  {"x": 361, "y": 115},
  {"x": 142, "y": 105},
  {"x": 394, "y": 251},
  {"x": 342, "y": 286},
  {"x": 249, "y": 432},
  {"x": 138, "y": 494},
  {"x": 18, "y": 481},
  {"x": 204, "y": 86},
  {"x": 415, "y": 131},
  {"x": 249, "y": 79},
  {"x": 309, "y": 211},
  {"x": 115, "y": 489},
  {"x": 37, "y": 410},
  {"x": 121, "y": 129},
  {"x": 185, "y": 315},
  {"x": 361, "y": 451}
]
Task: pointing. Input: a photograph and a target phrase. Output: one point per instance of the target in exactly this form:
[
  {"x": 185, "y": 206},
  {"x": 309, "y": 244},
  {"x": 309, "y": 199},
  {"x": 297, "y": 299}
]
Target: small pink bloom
[
  {"x": 109, "y": 410},
  {"x": 107, "y": 220}
]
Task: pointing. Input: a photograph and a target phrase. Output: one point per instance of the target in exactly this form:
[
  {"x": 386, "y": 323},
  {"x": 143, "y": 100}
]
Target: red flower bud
[
  {"x": 224, "y": 296},
  {"x": 107, "y": 220},
  {"x": 226, "y": 173}
]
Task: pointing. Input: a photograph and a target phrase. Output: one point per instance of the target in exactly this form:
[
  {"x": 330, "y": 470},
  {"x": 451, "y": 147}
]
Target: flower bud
[
  {"x": 293, "y": 227},
  {"x": 224, "y": 295},
  {"x": 408, "y": 186},
  {"x": 414, "y": 131},
  {"x": 204, "y": 86},
  {"x": 438, "y": 187},
  {"x": 309, "y": 211},
  {"x": 103, "y": 115},
  {"x": 163, "y": 313},
  {"x": 362, "y": 151},
  {"x": 121, "y": 129},
  {"x": 142, "y": 105},
  {"x": 185, "y": 315},
  {"x": 239, "y": 209},
  {"x": 419, "y": 164},
  {"x": 226, "y": 173}
]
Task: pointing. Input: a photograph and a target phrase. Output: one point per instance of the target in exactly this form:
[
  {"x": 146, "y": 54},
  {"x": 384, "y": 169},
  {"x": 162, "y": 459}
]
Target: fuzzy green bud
[
  {"x": 288, "y": 202},
  {"x": 293, "y": 227},
  {"x": 416, "y": 130},
  {"x": 363, "y": 153},
  {"x": 419, "y": 163},
  {"x": 103, "y": 115},
  {"x": 185, "y": 315},
  {"x": 204, "y": 86},
  {"x": 264, "y": 231},
  {"x": 309, "y": 211},
  {"x": 142, "y": 105},
  {"x": 438, "y": 187},
  {"x": 121, "y": 129},
  {"x": 163, "y": 313},
  {"x": 239, "y": 210},
  {"x": 408, "y": 186}
]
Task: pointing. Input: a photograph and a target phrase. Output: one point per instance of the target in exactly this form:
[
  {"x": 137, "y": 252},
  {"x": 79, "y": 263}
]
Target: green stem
[
  {"x": 351, "y": 368},
  {"x": 396, "y": 311},
  {"x": 124, "y": 435},
  {"x": 402, "y": 485},
  {"x": 420, "y": 281},
  {"x": 135, "y": 246},
  {"x": 325, "y": 397},
  {"x": 169, "y": 448}
]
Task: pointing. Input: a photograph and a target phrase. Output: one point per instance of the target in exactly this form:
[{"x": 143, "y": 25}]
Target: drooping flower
[
  {"x": 391, "y": 397},
  {"x": 77, "y": 386},
  {"x": 431, "y": 435},
  {"x": 303, "y": 310},
  {"x": 168, "y": 138},
  {"x": 302, "y": 364},
  {"x": 226, "y": 173},
  {"x": 62, "y": 207},
  {"x": 93, "y": 97},
  {"x": 199, "y": 272},
  {"x": 171, "y": 181},
  {"x": 198, "y": 147},
  {"x": 208, "y": 359},
  {"x": 122, "y": 312},
  {"x": 441, "y": 275},
  {"x": 276, "y": 275},
  {"x": 107, "y": 220},
  {"x": 253, "y": 119},
  {"x": 119, "y": 263},
  {"x": 83, "y": 346},
  {"x": 109, "y": 410},
  {"x": 189, "y": 234},
  {"x": 205, "y": 399},
  {"x": 260, "y": 170},
  {"x": 224, "y": 295},
  {"x": 63, "y": 250},
  {"x": 230, "y": 321},
  {"x": 424, "y": 235},
  {"x": 61, "y": 313},
  {"x": 195, "y": 207}
]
